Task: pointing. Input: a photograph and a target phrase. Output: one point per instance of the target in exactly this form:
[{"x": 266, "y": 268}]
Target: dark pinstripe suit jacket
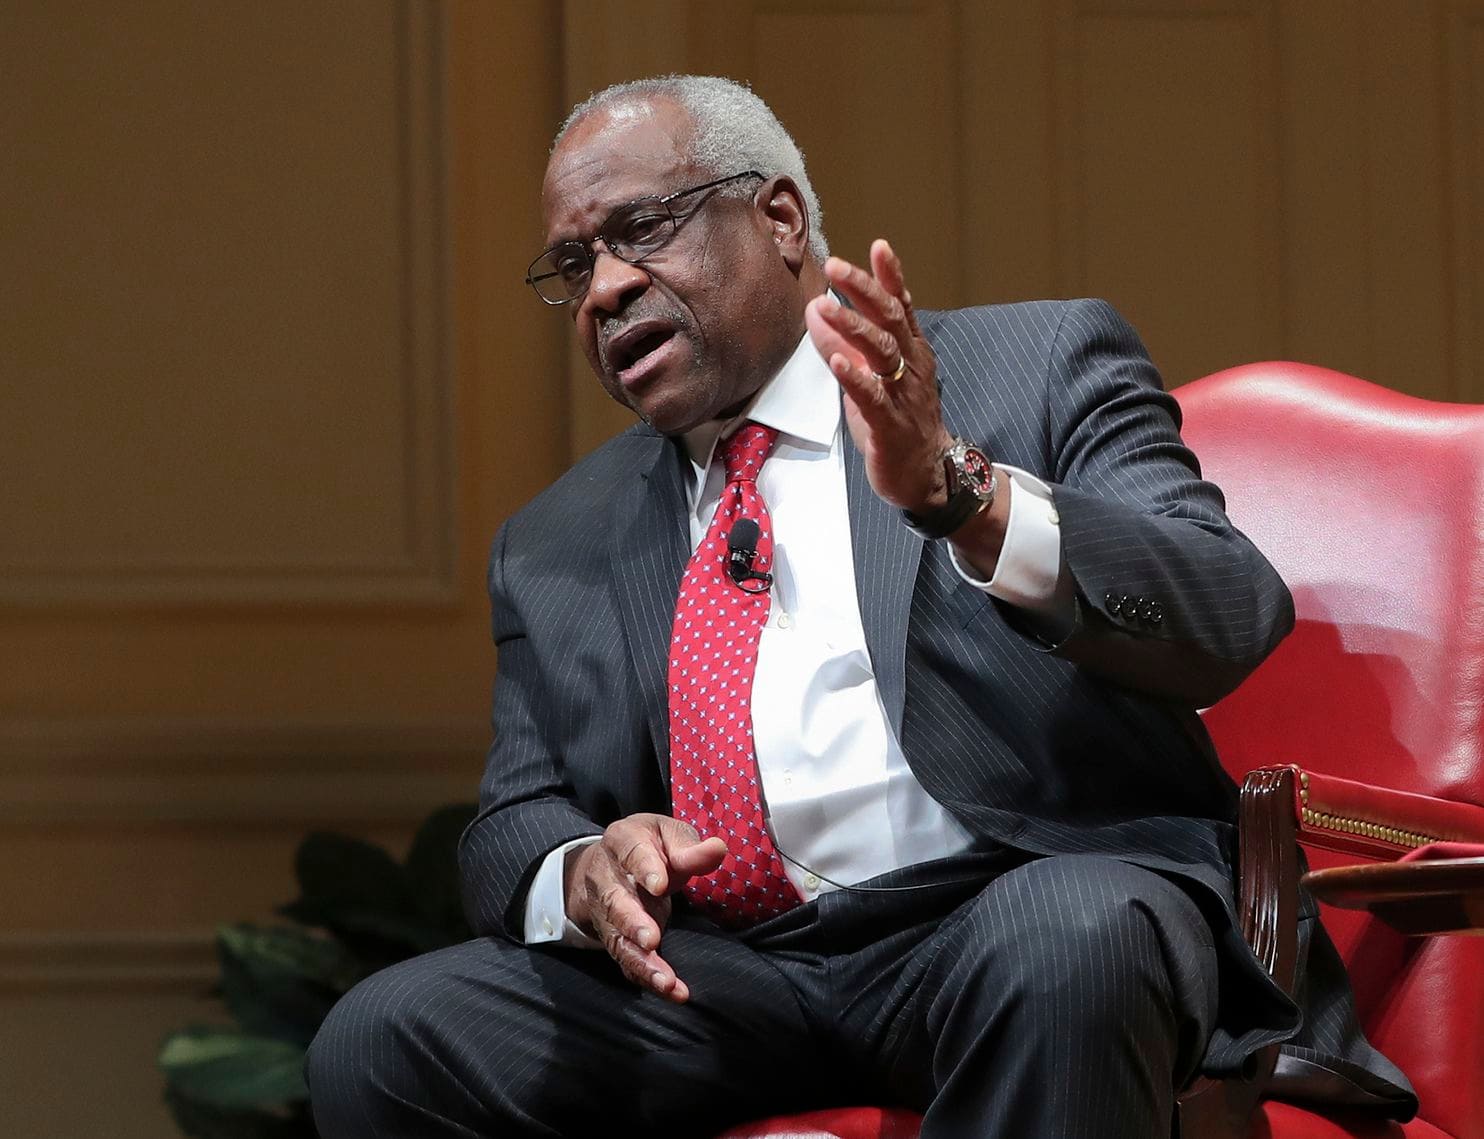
[{"x": 1092, "y": 747}]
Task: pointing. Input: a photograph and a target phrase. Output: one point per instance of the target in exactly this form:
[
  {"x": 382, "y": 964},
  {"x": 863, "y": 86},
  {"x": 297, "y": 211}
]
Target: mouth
[{"x": 635, "y": 351}]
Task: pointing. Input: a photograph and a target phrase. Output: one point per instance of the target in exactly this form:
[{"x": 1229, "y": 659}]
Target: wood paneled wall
[
  {"x": 1245, "y": 179},
  {"x": 270, "y": 378},
  {"x": 262, "y": 412}
]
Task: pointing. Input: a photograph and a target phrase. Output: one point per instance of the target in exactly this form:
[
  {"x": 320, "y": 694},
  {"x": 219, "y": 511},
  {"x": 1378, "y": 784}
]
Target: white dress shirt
[{"x": 841, "y": 802}]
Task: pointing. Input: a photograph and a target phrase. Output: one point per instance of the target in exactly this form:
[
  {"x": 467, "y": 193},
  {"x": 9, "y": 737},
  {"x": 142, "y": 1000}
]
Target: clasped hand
[{"x": 619, "y": 890}]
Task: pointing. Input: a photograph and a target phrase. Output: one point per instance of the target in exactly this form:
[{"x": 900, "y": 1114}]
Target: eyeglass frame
[{"x": 592, "y": 257}]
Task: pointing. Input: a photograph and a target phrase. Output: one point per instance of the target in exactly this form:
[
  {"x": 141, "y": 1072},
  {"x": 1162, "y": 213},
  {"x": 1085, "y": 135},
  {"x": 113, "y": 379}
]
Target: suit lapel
[
  {"x": 648, "y": 560},
  {"x": 886, "y": 557}
]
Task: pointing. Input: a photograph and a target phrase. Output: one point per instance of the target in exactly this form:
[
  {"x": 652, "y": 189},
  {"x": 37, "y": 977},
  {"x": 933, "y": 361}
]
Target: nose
[{"x": 614, "y": 282}]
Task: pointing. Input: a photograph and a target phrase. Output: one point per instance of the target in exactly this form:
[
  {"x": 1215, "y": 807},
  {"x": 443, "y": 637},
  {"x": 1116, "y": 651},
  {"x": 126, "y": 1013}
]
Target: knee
[
  {"x": 1093, "y": 936},
  {"x": 361, "y": 1054}
]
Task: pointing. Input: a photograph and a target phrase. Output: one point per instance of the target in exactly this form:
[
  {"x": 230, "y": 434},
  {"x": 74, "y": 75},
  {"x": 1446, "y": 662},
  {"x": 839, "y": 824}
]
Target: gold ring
[{"x": 901, "y": 370}]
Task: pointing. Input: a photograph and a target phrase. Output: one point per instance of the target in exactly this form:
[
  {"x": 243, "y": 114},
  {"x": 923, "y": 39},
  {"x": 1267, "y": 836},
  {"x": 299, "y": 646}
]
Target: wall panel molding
[
  {"x": 275, "y": 422},
  {"x": 113, "y": 962},
  {"x": 133, "y": 773}
]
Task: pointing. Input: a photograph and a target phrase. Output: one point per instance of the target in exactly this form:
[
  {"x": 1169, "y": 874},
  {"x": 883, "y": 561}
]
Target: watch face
[{"x": 978, "y": 474}]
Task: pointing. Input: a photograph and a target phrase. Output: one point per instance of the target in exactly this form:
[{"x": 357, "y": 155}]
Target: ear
[{"x": 787, "y": 218}]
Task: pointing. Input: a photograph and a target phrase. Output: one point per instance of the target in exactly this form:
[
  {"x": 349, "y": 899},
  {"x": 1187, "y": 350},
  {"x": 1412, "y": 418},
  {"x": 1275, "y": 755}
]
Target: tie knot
[{"x": 745, "y": 451}]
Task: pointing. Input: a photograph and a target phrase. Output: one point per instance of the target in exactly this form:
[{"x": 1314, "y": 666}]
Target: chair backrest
[{"x": 1371, "y": 506}]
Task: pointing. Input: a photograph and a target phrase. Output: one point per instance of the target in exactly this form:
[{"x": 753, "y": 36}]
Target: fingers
[
  {"x": 643, "y": 860},
  {"x": 879, "y": 334},
  {"x": 880, "y": 296},
  {"x": 887, "y": 267},
  {"x": 690, "y": 857},
  {"x": 646, "y": 969},
  {"x": 851, "y": 369},
  {"x": 623, "y": 887},
  {"x": 847, "y": 363},
  {"x": 661, "y": 853},
  {"x": 878, "y": 300},
  {"x": 877, "y": 347},
  {"x": 615, "y": 901},
  {"x": 632, "y": 942},
  {"x": 894, "y": 418}
]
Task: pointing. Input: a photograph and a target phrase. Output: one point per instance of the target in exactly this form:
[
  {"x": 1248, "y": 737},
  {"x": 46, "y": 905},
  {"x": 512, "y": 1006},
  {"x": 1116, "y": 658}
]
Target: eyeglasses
[{"x": 631, "y": 233}]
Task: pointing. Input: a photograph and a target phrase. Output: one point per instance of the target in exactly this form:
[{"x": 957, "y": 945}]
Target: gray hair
[{"x": 734, "y": 130}]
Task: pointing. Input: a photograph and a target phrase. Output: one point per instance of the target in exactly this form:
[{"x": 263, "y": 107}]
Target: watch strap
[
  {"x": 945, "y": 519},
  {"x": 964, "y": 498}
]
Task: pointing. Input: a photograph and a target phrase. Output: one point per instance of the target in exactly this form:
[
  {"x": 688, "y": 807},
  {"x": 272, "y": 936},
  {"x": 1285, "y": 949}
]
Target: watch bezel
[{"x": 957, "y": 467}]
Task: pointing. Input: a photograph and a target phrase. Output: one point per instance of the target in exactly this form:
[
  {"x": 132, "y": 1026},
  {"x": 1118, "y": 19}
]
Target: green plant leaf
[
  {"x": 279, "y": 983},
  {"x": 433, "y": 869},
  {"x": 282, "y": 982},
  {"x": 228, "y": 1069},
  {"x": 375, "y": 936},
  {"x": 202, "y": 1121},
  {"x": 234, "y": 1069},
  {"x": 286, "y": 950}
]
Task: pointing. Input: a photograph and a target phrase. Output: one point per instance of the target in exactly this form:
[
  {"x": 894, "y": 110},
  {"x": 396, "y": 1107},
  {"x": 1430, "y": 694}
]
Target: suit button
[
  {"x": 1126, "y": 606},
  {"x": 1111, "y": 602},
  {"x": 1146, "y": 611},
  {"x": 1156, "y": 612}
]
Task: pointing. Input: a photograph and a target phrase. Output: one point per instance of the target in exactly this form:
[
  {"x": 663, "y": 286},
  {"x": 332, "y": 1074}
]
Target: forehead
[{"x": 612, "y": 156}]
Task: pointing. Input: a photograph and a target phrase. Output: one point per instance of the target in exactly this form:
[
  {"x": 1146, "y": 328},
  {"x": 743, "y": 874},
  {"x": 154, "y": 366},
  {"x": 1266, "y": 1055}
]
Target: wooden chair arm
[
  {"x": 1415, "y": 898},
  {"x": 1267, "y": 889},
  {"x": 1267, "y": 901}
]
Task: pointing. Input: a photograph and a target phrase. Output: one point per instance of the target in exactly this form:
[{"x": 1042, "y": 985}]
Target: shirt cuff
[
  {"x": 546, "y": 901},
  {"x": 1031, "y": 573}
]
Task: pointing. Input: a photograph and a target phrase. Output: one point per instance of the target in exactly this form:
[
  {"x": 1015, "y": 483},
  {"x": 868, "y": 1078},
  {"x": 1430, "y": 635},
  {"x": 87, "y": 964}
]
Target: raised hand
[
  {"x": 618, "y": 890},
  {"x": 888, "y": 374}
]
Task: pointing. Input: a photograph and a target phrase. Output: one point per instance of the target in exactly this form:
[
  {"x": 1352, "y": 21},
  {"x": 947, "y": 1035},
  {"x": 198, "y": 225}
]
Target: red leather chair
[
  {"x": 1360, "y": 737},
  {"x": 1371, "y": 506}
]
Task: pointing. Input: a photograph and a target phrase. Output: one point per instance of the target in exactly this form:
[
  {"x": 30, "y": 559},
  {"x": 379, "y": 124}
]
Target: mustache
[{"x": 616, "y": 326}]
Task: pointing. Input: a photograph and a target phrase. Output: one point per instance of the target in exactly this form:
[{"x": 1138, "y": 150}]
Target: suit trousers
[{"x": 1002, "y": 996}]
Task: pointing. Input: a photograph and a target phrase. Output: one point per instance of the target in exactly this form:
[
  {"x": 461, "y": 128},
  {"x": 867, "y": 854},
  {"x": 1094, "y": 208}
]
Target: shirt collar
[{"x": 801, "y": 401}]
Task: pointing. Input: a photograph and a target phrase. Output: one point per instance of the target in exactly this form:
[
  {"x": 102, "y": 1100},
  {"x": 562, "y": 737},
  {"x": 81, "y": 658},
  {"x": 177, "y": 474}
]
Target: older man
[{"x": 845, "y": 734}]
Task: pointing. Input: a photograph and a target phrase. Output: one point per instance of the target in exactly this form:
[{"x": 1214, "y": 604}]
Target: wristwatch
[{"x": 971, "y": 483}]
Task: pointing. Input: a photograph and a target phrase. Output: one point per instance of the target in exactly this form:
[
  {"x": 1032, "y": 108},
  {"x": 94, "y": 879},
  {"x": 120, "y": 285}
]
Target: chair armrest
[
  {"x": 1378, "y": 822},
  {"x": 1267, "y": 900},
  {"x": 1281, "y": 806},
  {"x": 1267, "y": 885},
  {"x": 1278, "y": 808},
  {"x": 1419, "y": 898}
]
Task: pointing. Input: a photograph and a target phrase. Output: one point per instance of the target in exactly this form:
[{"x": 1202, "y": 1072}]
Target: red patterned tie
[{"x": 713, "y": 654}]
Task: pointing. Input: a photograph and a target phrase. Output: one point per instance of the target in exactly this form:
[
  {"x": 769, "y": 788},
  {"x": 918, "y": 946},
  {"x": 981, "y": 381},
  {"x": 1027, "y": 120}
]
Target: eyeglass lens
[{"x": 631, "y": 233}]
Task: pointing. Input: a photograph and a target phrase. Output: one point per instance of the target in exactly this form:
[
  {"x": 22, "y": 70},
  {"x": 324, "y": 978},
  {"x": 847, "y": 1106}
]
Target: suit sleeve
[
  {"x": 1171, "y": 599},
  {"x": 526, "y": 805}
]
